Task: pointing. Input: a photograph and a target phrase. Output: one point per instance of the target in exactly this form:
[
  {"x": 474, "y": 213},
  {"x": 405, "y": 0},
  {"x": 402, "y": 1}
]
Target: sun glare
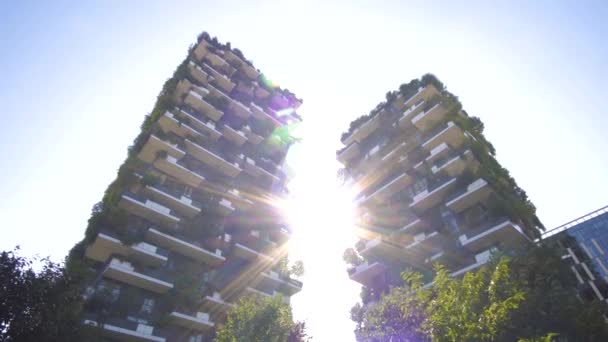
[{"x": 321, "y": 216}]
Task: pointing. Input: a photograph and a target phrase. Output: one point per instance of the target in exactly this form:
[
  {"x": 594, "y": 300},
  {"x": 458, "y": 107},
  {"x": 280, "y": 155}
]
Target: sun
[{"x": 321, "y": 214}]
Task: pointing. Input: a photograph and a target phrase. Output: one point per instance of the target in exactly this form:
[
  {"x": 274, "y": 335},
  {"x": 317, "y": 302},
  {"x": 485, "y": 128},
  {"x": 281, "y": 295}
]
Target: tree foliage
[
  {"x": 531, "y": 297},
  {"x": 258, "y": 319},
  {"x": 37, "y": 305}
]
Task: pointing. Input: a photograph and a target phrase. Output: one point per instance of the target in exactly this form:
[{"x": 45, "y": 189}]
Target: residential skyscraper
[
  {"x": 584, "y": 242},
  {"x": 191, "y": 222},
  {"x": 430, "y": 190}
]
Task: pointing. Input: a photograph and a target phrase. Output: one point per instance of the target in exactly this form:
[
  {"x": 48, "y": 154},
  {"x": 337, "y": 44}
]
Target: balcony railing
[
  {"x": 215, "y": 303},
  {"x": 475, "y": 192},
  {"x": 174, "y": 199},
  {"x": 423, "y": 121},
  {"x": 240, "y": 109},
  {"x": 125, "y": 272},
  {"x": 499, "y": 231},
  {"x": 236, "y": 136},
  {"x": 181, "y": 246},
  {"x": 154, "y": 145},
  {"x": 150, "y": 210},
  {"x": 199, "y": 321},
  {"x": 396, "y": 181},
  {"x": 406, "y": 118},
  {"x": 448, "y": 133},
  {"x": 433, "y": 194},
  {"x": 363, "y": 131},
  {"x": 170, "y": 123},
  {"x": 212, "y": 157},
  {"x": 201, "y": 123},
  {"x": 123, "y": 330},
  {"x": 107, "y": 244},
  {"x": 178, "y": 170},
  {"x": 348, "y": 152},
  {"x": 196, "y": 101},
  {"x": 480, "y": 260},
  {"x": 245, "y": 252},
  {"x": 366, "y": 272},
  {"x": 198, "y": 73}
]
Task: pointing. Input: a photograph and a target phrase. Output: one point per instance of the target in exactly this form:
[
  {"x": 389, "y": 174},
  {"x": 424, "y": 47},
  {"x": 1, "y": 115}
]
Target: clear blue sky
[{"x": 77, "y": 78}]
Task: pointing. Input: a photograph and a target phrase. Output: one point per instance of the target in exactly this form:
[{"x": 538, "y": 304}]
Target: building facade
[
  {"x": 430, "y": 190},
  {"x": 191, "y": 222},
  {"x": 584, "y": 242}
]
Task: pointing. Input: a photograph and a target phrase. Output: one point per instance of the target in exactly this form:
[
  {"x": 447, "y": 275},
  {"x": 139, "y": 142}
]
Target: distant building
[{"x": 585, "y": 244}]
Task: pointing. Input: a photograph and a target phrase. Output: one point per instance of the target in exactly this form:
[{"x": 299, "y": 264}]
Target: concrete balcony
[
  {"x": 450, "y": 134},
  {"x": 349, "y": 152},
  {"x": 425, "y": 244},
  {"x": 413, "y": 227},
  {"x": 261, "y": 92},
  {"x": 215, "y": 303},
  {"x": 207, "y": 156},
  {"x": 363, "y": 131},
  {"x": 432, "y": 196},
  {"x": 290, "y": 287},
  {"x": 174, "y": 168},
  {"x": 236, "y": 136},
  {"x": 427, "y": 119},
  {"x": 199, "y": 322},
  {"x": 503, "y": 233},
  {"x": 124, "y": 272},
  {"x": 198, "y": 73},
  {"x": 106, "y": 245},
  {"x": 423, "y": 93},
  {"x": 249, "y": 70},
  {"x": 455, "y": 164},
  {"x": 222, "y": 80},
  {"x": 180, "y": 246},
  {"x": 126, "y": 331},
  {"x": 225, "y": 207},
  {"x": 365, "y": 273},
  {"x": 252, "y": 137},
  {"x": 448, "y": 259},
  {"x": 238, "y": 199},
  {"x": 197, "y": 102},
  {"x": 240, "y": 109},
  {"x": 383, "y": 249},
  {"x": 440, "y": 151},
  {"x": 149, "y": 210},
  {"x": 475, "y": 192},
  {"x": 180, "y": 203},
  {"x": 480, "y": 260},
  {"x": 216, "y": 61},
  {"x": 201, "y": 50},
  {"x": 396, "y": 155},
  {"x": 405, "y": 120},
  {"x": 271, "y": 281},
  {"x": 154, "y": 145},
  {"x": 170, "y": 123},
  {"x": 207, "y": 127},
  {"x": 244, "y": 252},
  {"x": 391, "y": 186},
  {"x": 261, "y": 114},
  {"x": 250, "y": 291}
]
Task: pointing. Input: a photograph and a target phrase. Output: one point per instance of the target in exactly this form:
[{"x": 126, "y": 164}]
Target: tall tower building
[
  {"x": 431, "y": 190},
  {"x": 584, "y": 244},
  {"x": 191, "y": 222}
]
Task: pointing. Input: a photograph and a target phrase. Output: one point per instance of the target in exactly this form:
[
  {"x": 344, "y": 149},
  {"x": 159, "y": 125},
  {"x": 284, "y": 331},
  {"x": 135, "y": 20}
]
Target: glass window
[{"x": 147, "y": 306}]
